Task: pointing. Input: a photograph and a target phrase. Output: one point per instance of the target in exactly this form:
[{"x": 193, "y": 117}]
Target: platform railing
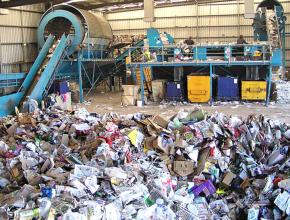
[{"x": 203, "y": 53}]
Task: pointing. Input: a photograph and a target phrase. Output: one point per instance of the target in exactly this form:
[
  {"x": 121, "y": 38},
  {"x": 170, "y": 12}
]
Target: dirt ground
[{"x": 111, "y": 102}]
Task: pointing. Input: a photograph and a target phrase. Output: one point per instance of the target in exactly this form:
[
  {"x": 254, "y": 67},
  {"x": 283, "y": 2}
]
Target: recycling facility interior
[
  {"x": 197, "y": 65},
  {"x": 216, "y": 24}
]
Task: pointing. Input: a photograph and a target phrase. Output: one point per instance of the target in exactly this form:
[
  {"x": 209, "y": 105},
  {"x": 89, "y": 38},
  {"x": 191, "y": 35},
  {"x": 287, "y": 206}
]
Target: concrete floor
[{"x": 111, "y": 102}]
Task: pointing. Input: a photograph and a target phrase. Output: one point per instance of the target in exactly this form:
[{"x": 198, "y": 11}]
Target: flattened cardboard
[
  {"x": 128, "y": 100},
  {"x": 183, "y": 168},
  {"x": 245, "y": 183},
  {"x": 11, "y": 130},
  {"x": 26, "y": 119},
  {"x": 149, "y": 142},
  {"x": 202, "y": 157},
  {"x": 228, "y": 178},
  {"x": 162, "y": 122}
]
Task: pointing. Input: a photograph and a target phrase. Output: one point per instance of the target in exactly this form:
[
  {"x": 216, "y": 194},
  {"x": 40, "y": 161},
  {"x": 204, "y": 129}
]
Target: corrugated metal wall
[
  {"x": 18, "y": 43},
  {"x": 222, "y": 22}
]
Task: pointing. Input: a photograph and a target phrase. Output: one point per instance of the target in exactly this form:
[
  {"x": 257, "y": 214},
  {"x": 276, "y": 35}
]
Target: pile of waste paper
[
  {"x": 84, "y": 166},
  {"x": 283, "y": 92}
]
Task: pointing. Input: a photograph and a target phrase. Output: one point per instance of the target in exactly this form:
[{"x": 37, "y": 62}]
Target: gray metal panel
[
  {"x": 29, "y": 35},
  {"x": 149, "y": 15},
  {"x": 30, "y": 19},
  {"x": 12, "y": 19},
  {"x": 34, "y": 7},
  {"x": 249, "y": 9},
  {"x": 18, "y": 38},
  {"x": 30, "y": 52},
  {"x": 10, "y": 35},
  {"x": 9, "y": 68},
  {"x": 11, "y": 54},
  {"x": 99, "y": 27}
]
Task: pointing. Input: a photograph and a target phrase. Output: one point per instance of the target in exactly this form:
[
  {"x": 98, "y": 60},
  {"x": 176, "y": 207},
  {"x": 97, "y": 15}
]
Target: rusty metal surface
[{"x": 96, "y": 25}]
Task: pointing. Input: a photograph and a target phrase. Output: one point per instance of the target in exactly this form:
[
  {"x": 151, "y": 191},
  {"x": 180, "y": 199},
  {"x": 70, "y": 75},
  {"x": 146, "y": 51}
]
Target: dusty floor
[{"x": 111, "y": 102}]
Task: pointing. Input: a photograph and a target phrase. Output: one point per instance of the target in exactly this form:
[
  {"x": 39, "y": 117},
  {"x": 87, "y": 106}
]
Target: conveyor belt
[{"x": 41, "y": 79}]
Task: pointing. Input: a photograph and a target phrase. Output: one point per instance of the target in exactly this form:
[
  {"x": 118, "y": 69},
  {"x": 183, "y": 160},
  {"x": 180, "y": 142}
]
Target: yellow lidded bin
[
  {"x": 254, "y": 90},
  {"x": 198, "y": 88}
]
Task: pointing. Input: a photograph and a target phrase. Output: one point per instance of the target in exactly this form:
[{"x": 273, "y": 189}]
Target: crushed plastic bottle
[
  {"x": 73, "y": 216},
  {"x": 162, "y": 212},
  {"x": 45, "y": 205},
  {"x": 159, "y": 213}
]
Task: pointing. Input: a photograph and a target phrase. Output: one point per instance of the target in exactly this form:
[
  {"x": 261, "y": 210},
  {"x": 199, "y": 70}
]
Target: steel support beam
[
  {"x": 90, "y": 6},
  {"x": 14, "y": 3}
]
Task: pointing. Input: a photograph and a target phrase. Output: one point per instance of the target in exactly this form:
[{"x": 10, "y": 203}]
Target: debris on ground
[
  {"x": 282, "y": 92},
  {"x": 86, "y": 166}
]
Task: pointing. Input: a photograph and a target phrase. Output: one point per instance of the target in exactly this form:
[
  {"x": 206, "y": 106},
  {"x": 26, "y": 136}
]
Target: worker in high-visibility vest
[{"x": 147, "y": 54}]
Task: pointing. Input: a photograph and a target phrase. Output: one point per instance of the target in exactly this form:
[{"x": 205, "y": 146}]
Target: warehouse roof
[
  {"x": 105, "y": 5},
  {"x": 109, "y": 5}
]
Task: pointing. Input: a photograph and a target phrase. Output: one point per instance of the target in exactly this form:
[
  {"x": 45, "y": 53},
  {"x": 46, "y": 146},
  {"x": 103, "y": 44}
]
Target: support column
[
  {"x": 269, "y": 84},
  {"x": 142, "y": 84},
  {"x": 284, "y": 53},
  {"x": 247, "y": 73},
  {"x": 149, "y": 15},
  {"x": 178, "y": 74},
  {"x": 133, "y": 74},
  {"x": 256, "y": 76},
  {"x": 152, "y": 74},
  {"x": 211, "y": 87},
  {"x": 80, "y": 77}
]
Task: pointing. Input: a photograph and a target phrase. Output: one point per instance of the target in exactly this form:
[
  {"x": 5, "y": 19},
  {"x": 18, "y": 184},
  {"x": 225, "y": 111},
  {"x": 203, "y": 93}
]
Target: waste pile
[
  {"x": 82, "y": 166},
  {"x": 283, "y": 92}
]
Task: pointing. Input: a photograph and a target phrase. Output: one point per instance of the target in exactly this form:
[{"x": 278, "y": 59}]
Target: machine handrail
[{"x": 228, "y": 53}]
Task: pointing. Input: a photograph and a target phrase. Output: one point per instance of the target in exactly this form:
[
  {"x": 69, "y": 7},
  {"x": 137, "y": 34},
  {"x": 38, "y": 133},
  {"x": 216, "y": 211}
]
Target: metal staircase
[
  {"x": 123, "y": 56},
  {"x": 119, "y": 69}
]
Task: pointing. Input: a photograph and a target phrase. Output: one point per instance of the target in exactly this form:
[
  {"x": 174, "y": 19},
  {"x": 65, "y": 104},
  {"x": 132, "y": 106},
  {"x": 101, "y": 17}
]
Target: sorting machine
[
  {"x": 254, "y": 61},
  {"x": 73, "y": 44}
]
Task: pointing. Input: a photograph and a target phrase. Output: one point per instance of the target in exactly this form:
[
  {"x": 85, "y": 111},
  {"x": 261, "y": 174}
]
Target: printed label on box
[
  {"x": 178, "y": 86},
  {"x": 235, "y": 81}
]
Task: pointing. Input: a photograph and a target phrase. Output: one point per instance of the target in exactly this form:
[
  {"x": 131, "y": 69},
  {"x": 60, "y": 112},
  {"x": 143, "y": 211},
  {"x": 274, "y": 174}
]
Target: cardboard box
[
  {"x": 26, "y": 119},
  {"x": 202, "y": 158},
  {"x": 17, "y": 172},
  {"x": 228, "y": 178},
  {"x": 158, "y": 90},
  {"x": 155, "y": 128},
  {"x": 162, "y": 122},
  {"x": 245, "y": 183},
  {"x": 183, "y": 168},
  {"x": 156, "y": 144},
  {"x": 149, "y": 142},
  {"x": 131, "y": 90},
  {"x": 128, "y": 100},
  {"x": 11, "y": 130}
]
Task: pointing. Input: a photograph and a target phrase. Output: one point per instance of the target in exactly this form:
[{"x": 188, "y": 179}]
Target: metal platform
[
  {"x": 201, "y": 56},
  {"x": 202, "y": 63}
]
